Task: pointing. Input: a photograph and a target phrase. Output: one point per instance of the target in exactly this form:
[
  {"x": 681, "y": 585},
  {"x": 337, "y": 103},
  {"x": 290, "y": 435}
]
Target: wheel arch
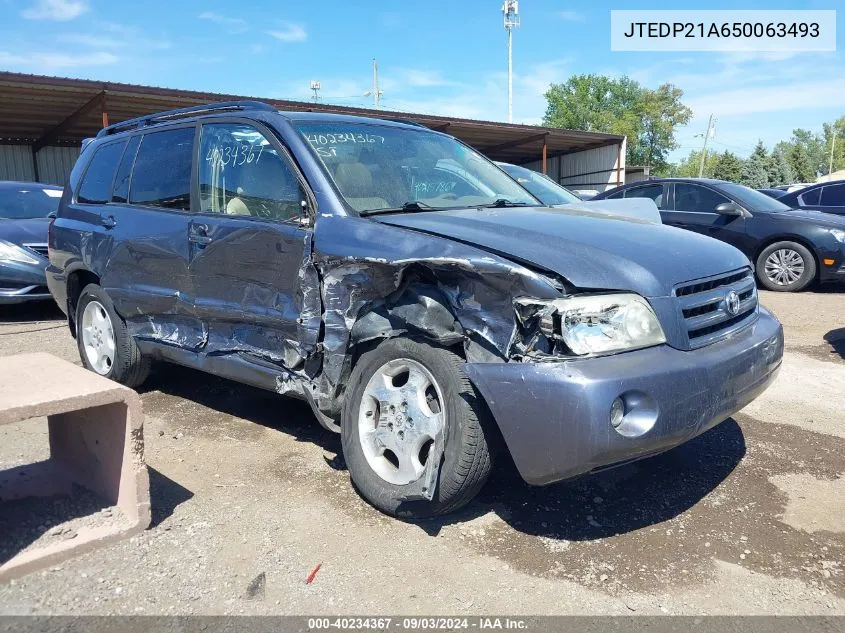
[{"x": 76, "y": 281}]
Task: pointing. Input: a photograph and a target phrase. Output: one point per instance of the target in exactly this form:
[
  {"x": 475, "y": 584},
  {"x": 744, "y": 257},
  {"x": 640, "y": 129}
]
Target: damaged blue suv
[{"x": 426, "y": 306}]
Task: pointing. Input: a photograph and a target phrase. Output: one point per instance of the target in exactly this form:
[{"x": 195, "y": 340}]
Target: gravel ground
[{"x": 250, "y": 495}]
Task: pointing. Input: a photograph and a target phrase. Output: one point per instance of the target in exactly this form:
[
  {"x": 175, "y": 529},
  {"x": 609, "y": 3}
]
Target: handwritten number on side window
[{"x": 235, "y": 153}]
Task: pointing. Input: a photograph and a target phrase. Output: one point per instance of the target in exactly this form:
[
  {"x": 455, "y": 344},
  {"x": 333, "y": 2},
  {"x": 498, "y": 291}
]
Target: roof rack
[{"x": 158, "y": 117}]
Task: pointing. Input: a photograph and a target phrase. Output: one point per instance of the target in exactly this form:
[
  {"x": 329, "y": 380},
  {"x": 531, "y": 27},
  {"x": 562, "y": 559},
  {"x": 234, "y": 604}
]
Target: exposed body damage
[{"x": 401, "y": 282}]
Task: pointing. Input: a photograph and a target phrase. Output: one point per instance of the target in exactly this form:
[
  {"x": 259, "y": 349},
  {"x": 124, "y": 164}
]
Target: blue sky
[{"x": 445, "y": 58}]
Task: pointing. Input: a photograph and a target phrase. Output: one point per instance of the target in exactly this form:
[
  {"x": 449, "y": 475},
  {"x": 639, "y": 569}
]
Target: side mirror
[
  {"x": 729, "y": 208},
  {"x": 52, "y": 215}
]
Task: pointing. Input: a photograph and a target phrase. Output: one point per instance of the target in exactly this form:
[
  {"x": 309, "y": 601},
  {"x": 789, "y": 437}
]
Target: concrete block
[{"x": 96, "y": 437}]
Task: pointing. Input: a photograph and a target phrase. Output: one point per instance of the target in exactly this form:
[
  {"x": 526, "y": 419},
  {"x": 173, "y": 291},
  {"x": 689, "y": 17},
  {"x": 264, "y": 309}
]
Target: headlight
[
  {"x": 599, "y": 324},
  {"x": 11, "y": 253},
  {"x": 838, "y": 235}
]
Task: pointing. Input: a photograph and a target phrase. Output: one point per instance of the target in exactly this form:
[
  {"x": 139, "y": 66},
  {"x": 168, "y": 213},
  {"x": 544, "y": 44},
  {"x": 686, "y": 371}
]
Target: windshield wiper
[
  {"x": 413, "y": 205},
  {"x": 502, "y": 203}
]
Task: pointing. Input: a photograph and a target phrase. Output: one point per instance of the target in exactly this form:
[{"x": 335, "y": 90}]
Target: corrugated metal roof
[{"x": 57, "y": 110}]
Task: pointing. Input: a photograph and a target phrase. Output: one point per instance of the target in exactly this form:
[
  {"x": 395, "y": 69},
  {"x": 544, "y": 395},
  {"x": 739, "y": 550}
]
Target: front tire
[
  {"x": 786, "y": 267},
  {"x": 399, "y": 397},
  {"x": 105, "y": 345}
]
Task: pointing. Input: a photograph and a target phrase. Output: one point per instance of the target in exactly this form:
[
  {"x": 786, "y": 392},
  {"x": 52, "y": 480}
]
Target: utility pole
[
  {"x": 510, "y": 9},
  {"x": 704, "y": 149},
  {"x": 832, "y": 146},
  {"x": 376, "y": 92}
]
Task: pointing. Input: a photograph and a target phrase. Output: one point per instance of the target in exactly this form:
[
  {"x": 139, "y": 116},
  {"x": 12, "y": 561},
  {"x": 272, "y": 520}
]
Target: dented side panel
[
  {"x": 146, "y": 274},
  {"x": 254, "y": 289}
]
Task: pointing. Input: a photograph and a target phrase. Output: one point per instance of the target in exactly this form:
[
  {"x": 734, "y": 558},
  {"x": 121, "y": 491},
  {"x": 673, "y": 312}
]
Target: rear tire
[
  {"x": 385, "y": 478},
  {"x": 105, "y": 345},
  {"x": 786, "y": 267}
]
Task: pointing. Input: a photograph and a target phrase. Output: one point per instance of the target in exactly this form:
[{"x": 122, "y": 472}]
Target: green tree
[
  {"x": 779, "y": 169},
  {"x": 799, "y": 161},
  {"x": 688, "y": 167},
  {"x": 662, "y": 112},
  {"x": 728, "y": 167},
  {"x": 621, "y": 106},
  {"x": 754, "y": 172},
  {"x": 813, "y": 146}
]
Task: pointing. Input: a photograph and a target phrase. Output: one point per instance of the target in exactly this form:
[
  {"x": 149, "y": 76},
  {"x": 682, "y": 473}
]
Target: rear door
[
  {"x": 693, "y": 207},
  {"x": 254, "y": 287},
  {"x": 146, "y": 257}
]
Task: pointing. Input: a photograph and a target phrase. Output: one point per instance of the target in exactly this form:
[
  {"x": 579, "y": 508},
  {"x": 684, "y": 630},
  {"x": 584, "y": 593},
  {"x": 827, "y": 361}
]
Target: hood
[
  {"x": 590, "y": 251},
  {"x": 831, "y": 220},
  {"x": 638, "y": 208},
  {"x": 32, "y": 231}
]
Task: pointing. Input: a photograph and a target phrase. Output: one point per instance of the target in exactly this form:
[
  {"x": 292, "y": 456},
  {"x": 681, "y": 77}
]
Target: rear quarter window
[
  {"x": 810, "y": 197},
  {"x": 97, "y": 182}
]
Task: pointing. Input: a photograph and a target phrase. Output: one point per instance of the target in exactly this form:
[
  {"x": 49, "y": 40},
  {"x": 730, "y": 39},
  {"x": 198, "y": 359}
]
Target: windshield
[
  {"x": 540, "y": 185},
  {"x": 25, "y": 202},
  {"x": 752, "y": 199},
  {"x": 380, "y": 167}
]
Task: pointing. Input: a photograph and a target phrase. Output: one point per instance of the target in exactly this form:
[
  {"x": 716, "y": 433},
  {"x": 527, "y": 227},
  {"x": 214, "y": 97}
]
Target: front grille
[
  {"x": 704, "y": 306},
  {"x": 41, "y": 249}
]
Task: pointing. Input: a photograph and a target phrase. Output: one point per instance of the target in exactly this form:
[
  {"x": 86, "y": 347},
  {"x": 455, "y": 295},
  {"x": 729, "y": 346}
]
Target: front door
[
  {"x": 254, "y": 286},
  {"x": 694, "y": 208}
]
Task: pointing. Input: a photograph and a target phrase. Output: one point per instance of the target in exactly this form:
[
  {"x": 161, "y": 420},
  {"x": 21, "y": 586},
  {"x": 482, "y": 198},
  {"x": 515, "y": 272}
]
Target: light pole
[
  {"x": 704, "y": 149},
  {"x": 510, "y": 10}
]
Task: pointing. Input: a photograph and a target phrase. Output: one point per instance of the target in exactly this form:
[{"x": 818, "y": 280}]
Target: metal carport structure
[{"x": 43, "y": 121}]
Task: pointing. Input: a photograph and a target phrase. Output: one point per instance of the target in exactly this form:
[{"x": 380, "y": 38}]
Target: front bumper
[
  {"x": 21, "y": 282},
  {"x": 836, "y": 270},
  {"x": 555, "y": 417}
]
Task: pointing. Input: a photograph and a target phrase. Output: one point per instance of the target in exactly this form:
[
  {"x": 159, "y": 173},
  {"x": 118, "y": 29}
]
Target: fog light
[{"x": 617, "y": 412}]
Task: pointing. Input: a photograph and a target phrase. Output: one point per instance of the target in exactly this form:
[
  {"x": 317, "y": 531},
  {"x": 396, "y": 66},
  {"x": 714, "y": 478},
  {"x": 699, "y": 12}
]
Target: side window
[
  {"x": 833, "y": 196},
  {"x": 124, "y": 170},
  {"x": 96, "y": 184},
  {"x": 654, "y": 192},
  {"x": 162, "y": 173},
  {"x": 696, "y": 199},
  {"x": 616, "y": 196},
  {"x": 811, "y": 198},
  {"x": 242, "y": 173}
]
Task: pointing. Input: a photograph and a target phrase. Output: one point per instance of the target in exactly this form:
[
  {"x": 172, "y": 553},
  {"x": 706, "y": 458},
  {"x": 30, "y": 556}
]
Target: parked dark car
[
  {"x": 414, "y": 294},
  {"x": 825, "y": 196},
  {"x": 24, "y": 207},
  {"x": 789, "y": 249},
  {"x": 552, "y": 194},
  {"x": 773, "y": 192}
]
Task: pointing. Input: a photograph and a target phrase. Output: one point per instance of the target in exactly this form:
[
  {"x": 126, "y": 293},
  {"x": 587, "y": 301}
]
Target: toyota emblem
[{"x": 732, "y": 303}]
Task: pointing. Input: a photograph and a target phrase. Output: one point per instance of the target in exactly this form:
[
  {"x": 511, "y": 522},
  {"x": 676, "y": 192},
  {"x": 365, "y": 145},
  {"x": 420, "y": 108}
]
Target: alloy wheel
[
  {"x": 98, "y": 338},
  {"x": 401, "y": 412},
  {"x": 784, "y": 267}
]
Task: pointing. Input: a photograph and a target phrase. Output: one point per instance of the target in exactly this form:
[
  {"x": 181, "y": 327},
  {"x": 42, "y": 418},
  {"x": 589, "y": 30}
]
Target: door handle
[
  {"x": 108, "y": 221},
  {"x": 200, "y": 240},
  {"x": 199, "y": 234}
]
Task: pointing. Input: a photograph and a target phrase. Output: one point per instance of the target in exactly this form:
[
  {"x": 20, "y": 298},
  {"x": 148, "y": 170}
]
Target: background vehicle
[
  {"x": 773, "y": 192},
  {"x": 24, "y": 207},
  {"x": 789, "y": 249},
  {"x": 415, "y": 295},
  {"x": 825, "y": 196},
  {"x": 555, "y": 195},
  {"x": 794, "y": 186}
]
